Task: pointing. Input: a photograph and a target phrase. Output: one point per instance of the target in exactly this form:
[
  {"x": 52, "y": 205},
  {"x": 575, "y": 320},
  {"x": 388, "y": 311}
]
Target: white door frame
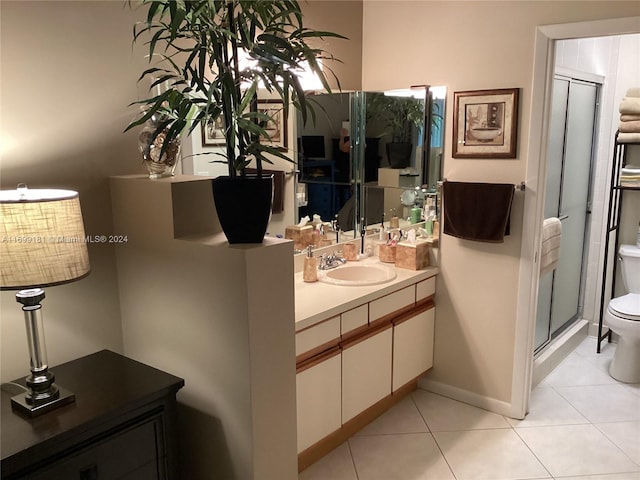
[{"x": 543, "y": 69}]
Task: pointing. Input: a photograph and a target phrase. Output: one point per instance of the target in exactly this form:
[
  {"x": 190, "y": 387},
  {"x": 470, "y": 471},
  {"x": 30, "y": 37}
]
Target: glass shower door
[{"x": 569, "y": 160}]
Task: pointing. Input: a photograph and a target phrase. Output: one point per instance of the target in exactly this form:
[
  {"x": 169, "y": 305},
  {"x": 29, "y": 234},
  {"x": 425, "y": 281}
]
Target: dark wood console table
[{"x": 122, "y": 425}]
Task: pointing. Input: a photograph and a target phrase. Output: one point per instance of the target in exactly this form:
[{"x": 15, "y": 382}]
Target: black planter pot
[
  {"x": 399, "y": 154},
  {"x": 243, "y": 205}
]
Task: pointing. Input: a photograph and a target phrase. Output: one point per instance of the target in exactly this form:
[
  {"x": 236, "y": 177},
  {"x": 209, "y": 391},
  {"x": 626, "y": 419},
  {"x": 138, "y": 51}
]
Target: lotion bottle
[{"x": 310, "y": 271}]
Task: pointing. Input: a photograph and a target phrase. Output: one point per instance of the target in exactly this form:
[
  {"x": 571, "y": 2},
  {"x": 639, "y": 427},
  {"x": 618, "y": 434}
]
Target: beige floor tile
[
  {"x": 337, "y": 465},
  {"x": 403, "y": 417},
  {"x": 576, "y": 450},
  {"x": 548, "y": 407},
  {"x": 444, "y": 414},
  {"x": 603, "y": 403},
  {"x": 489, "y": 454},
  {"x": 412, "y": 456},
  {"x": 613, "y": 476},
  {"x": 626, "y": 435},
  {"x": 577, "y": 370}
]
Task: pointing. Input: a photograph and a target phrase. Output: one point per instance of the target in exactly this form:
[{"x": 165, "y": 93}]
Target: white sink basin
[{"x": 358, "y": 274}]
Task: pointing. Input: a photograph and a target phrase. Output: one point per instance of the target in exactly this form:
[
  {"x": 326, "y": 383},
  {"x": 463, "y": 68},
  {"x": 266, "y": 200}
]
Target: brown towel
[{"x": 477, "y": 211}]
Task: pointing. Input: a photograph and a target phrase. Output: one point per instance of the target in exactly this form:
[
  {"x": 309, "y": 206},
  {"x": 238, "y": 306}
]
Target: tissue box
[
  {"x": 413, "y": 256},
  {"x": 301, "y": 236}
]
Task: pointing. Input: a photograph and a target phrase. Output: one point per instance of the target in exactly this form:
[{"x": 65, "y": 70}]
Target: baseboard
[
  {"x": 465, "y": 396},
  {"x": 558, "y": 350}
]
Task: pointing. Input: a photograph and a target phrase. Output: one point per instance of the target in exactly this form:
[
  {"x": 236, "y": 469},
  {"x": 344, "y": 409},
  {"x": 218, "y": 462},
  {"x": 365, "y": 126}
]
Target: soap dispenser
[{"x": 310, "y": 271}]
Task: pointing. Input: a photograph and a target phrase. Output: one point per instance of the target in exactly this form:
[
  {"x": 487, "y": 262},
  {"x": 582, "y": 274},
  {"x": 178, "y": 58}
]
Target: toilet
[{"x": 623, "y": 318}]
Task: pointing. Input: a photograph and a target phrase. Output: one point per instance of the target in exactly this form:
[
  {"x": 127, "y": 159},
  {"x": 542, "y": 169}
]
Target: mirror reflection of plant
[
  {"x": 399, "y": 114},
  {"x": 201, "y": 43}
]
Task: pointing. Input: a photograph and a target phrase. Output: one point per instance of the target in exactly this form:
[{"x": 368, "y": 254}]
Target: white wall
[
  {"x": 68, "y": 75},
  {"x": 472, "y": 46}
]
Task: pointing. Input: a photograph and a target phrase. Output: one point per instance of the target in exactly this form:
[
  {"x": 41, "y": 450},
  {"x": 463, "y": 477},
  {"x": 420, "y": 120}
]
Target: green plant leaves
[{"x": 194, "y": 47}]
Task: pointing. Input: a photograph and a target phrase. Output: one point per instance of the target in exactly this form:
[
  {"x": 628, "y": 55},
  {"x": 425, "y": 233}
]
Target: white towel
[
  {"x": 550, "y": 245},
  {"x": 628, "y": 137}
]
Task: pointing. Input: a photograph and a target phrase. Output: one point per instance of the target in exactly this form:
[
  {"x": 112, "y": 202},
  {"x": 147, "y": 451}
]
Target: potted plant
[{"x": 215, "y": 55}]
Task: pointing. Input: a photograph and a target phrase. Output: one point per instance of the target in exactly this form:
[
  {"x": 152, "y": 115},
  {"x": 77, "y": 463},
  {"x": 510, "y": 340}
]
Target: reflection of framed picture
[
  {"x": 213, "y": 133},
  {"x": 277, "y": 126},
  {"x": 485, "y": 123}
]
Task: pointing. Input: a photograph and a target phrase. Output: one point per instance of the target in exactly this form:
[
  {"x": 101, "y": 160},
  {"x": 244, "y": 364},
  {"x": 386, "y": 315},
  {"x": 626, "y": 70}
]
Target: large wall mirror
[{"x": 370, "y": 155}]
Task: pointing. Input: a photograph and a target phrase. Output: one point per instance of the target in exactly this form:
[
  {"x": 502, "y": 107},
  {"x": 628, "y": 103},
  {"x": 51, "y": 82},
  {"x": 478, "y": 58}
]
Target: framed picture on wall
[
  {"x": 485, "y": 123},
  {"x": 213, "y": 133},
  {"x": 276, "y": 127}
]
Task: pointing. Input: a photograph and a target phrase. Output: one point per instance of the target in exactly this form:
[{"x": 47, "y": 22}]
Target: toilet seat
[{"x": 626, "y": 307}]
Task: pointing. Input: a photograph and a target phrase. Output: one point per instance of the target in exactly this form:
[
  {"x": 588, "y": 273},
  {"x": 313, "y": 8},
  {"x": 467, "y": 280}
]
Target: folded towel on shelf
[
  {"x": 630, "y": 183},
  {"x": 630, "y": 105},
  {"x": 477, "y": 211},
  {"x": 628, "y": 117},
  {"x": 633, "y": 92},
  {"x": 550, "y": 244},
  {"x": 629, "y": 127},
  {"x": 628, "y": 137}
]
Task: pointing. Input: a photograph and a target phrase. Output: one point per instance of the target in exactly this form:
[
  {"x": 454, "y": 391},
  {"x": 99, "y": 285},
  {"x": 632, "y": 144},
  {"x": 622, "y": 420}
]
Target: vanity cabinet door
[
  {"x": 413, "y": 346},
  {"x": 318, "y": 397},
  {"x": 366, "y": 371}
]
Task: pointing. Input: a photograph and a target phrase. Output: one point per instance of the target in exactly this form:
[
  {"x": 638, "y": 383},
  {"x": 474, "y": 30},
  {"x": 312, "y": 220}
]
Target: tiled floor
[{"x": 583, "y": 425}]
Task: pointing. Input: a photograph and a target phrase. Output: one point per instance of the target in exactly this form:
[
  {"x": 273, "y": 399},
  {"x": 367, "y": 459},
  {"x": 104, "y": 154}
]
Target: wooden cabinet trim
[
  {"x": 430, "y": 299},
  {"x": 371, "y": 331},
  {"x": 319, "y": 350},
  {"x": 422, "y": 307},
  {"x": 309, "y": 362}
]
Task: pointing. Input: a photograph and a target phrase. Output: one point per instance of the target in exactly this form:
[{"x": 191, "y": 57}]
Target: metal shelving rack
[{"x": 613, "y": 223}]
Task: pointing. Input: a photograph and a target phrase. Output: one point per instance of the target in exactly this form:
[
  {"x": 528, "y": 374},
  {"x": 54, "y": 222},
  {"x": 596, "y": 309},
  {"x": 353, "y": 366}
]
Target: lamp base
[{"x": 33, "y": 409}]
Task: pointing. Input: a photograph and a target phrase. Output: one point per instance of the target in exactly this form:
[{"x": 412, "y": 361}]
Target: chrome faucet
[{"x": 330, "y": 260}]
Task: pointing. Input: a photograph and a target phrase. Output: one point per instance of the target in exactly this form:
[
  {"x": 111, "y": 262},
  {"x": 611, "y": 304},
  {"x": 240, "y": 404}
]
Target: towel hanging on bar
[
  {"x": 550, "y": 244},
  {"x": 477, "y": 211}
]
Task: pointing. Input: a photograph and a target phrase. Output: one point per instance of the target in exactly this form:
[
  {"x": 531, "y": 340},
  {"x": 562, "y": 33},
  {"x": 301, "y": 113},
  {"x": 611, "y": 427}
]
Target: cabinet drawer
[
  {"x": 132, "y": 450},
  {"x": 354, "y": 319},
  {"x": 425, "y": 289},
  {"x": 317, "y": 336},
  {"x": 393, "y": 302},
  {"x": 413, "y": 347},
  {"x": 318, "y": 401}
]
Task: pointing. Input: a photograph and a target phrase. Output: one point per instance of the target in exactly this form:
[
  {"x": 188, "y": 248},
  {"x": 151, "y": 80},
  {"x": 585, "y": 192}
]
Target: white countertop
[{"x": 319, "y": 301}]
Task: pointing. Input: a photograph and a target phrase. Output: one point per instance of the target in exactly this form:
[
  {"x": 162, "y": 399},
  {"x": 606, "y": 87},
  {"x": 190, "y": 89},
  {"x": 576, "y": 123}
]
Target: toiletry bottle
[{"x": 310, "y": 271}]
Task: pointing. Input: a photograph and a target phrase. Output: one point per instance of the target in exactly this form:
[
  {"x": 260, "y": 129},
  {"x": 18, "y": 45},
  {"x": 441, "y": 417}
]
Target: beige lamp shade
[{"x": 42, "y": 239}]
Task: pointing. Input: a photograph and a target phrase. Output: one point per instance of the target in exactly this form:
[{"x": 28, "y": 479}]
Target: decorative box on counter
[
  {"x": 301, "y": 236},
  {"x": 387, "y": 253},
  {"x": 413, "y": 256}
]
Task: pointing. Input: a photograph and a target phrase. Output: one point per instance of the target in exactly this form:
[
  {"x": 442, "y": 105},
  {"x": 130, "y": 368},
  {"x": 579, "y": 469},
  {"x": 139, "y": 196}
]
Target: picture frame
[
  {"x": 485, "y": 123},
  {"x": 277, "y": 128},
  {"x": 213, "y": 133}
]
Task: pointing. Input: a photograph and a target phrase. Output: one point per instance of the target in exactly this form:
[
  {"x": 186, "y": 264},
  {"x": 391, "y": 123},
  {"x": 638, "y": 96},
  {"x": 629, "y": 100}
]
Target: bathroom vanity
[{"x": 359, "y": 349}]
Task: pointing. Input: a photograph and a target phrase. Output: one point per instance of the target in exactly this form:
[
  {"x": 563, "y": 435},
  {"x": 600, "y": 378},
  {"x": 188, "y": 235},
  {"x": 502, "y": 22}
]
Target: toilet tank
[{"x": 630, "y": 255}]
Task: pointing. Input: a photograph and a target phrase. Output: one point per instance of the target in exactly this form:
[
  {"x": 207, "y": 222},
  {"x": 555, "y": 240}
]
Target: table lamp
[{"x": 42, "y": 243}]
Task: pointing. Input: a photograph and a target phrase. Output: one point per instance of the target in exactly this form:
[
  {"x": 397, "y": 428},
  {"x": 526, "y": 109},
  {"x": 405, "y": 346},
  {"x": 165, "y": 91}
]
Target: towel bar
[{"x": 521, "y": 186}]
